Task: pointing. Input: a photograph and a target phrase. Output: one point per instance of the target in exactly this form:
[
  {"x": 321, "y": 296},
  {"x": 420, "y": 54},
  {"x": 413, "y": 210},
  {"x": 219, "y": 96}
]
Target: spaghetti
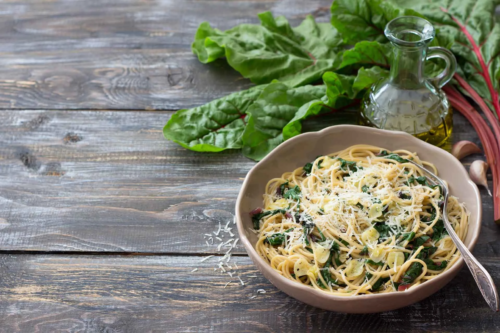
[{"x": 359, "y": 221}]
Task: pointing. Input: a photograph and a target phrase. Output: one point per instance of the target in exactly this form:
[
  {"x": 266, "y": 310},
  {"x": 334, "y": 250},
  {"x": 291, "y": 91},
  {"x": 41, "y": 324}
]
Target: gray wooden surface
[{"x": 102, "y": 220}]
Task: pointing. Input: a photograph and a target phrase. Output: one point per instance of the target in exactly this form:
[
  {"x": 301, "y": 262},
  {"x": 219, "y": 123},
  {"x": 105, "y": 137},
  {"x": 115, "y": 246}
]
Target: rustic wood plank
[
  {"x": 109, "y": 181},
  {"x": 50, "y": 293},
  {"x": 129, "y": 54},
  {"x": 118, "y": 185}
]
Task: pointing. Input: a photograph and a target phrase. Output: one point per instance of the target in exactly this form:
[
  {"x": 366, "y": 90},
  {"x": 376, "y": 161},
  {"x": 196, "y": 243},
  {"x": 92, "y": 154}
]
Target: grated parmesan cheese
[
  {"x": 206, "y": 258},
  {"x": 242, "y": 283}
]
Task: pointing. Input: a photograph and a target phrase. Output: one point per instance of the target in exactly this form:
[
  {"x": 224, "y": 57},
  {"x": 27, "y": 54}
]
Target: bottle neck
[{"x": 407, "y": 68}]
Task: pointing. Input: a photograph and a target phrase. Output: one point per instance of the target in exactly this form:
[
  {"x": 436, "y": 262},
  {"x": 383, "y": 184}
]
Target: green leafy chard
[
  {"x": 367, "y": 77},
  {"x": 273, "y": 50},
  {"x": 339, "y": 95},
  {"x": 276, "y": 239},
  {"x": 412, "y": 273},
  {"x": 259, "y": 216},
  {"x": 396, "y": 158},
  {"x": 215, "y": 126},
  {"x": 308, "y": 168},
  {"x": 325, "y": 272},
  {"x": 367, "y": 53},
  {"x": 408, "y": 236},
  {"x": 378, "y": 284},
  {"x": 435, "y": 266},
  {"x": 420, "y": 241},
  {"x": 438, "y": 231},
  {"x": 415, "y": 268},
  {"x": 347, "y": 165},
  {"x": 361, "y": 20},
  {"x": 385, "y": 230},
  {"x": 293, "y": 193},
  {"x": 271, "y": 112}
]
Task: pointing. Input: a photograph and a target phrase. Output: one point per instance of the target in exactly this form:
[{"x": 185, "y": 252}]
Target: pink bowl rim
[{"x": 385, "y": 296}]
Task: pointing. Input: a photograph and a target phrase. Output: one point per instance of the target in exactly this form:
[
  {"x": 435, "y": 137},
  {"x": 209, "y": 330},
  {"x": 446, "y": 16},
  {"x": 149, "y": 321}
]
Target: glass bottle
[{"x": 407, "y": 100}]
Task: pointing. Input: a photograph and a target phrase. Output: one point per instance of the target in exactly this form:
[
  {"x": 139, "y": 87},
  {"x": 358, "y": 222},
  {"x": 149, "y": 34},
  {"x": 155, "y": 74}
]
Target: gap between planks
[
  {"x": 90, "y": 110},
  {"x": 121, "y": 253}
]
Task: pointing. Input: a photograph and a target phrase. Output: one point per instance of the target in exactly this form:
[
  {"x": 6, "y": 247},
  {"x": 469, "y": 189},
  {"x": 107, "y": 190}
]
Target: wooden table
[{"x": 102, "y": 219}]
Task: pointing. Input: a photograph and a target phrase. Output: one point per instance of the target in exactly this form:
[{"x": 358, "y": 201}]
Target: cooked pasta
[{"x": 359, "y": 221}]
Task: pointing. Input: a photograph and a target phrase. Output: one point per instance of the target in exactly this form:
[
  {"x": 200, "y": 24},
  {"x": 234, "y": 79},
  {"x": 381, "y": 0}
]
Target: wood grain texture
[
  {"x": 121, "y": 54},
  {"x": 160, "y": 294},
  {"x": 109, "y": 181}
]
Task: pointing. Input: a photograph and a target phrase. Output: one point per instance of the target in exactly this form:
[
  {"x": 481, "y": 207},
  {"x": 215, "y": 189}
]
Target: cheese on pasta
[{"x": 359, "y": 221}]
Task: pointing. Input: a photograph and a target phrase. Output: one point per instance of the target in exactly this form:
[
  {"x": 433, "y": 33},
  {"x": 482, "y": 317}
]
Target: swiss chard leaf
[
  {"x": 313, "y": 108},
  {"x": 273, "y": 50},
  {"x": 432, "y": 215},
  {"x": 380, "y": 282},
  {"x": 345, "y": 243},
  {"x": 408, "y": 236},
  {"x": 257, "y": 217},
  {"x": 283, "y": 187},
  {"x": 385, "y": 230},
  {"x": 342, "y": 90},
  {"x": 361, "y": 20},
  {"x": 347, "y": 165},
  {"x": 325, "y": 272},
  {"x": 367, "y": 77},
  {"x": 339, "y": 87},
  {"x": 307, "y": 229},
  {"x": 276, "y": 239},
  {"x": 415, "y": 268},
  {"x": 412, "y": 273},
  {"x": 396, "y": 158},
  {"x": 439, "y": 231},
  {"x": 426, "y": 252},
  {"x": 434, "y": 266},
  {"x": 440, "y": 188},
  {"x": 404, "y": 196},
  {"x": 308, "y": 168},
  {"x": 293, "y": 193},
  {"x": 367, "y": 53},
  {"x": 271, "y": 112},
  {"x": 422, "y": 180},
  {"x": 215, "y": 126},
  {"x": 420, "y": 241}
]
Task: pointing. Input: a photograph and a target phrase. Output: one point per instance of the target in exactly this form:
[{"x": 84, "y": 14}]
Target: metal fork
[{"x": 480, "y": 274}]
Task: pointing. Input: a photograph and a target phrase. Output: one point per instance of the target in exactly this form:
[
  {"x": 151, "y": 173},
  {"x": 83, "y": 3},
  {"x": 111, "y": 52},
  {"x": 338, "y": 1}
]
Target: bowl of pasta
[{"x": 340, "y": 220}]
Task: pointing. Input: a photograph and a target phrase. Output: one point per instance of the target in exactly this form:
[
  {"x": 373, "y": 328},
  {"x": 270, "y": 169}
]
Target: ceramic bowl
[{"x": 304, "y": 148}]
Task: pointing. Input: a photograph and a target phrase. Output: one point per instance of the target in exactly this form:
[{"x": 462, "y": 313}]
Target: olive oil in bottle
[
  {"x": 429, "y": 119},
  {"x": 408, "y": 100}
]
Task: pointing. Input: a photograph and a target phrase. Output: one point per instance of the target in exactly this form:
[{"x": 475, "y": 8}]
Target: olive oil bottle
[
  {"x": 430, "y": 123},
  {"x": 407, "y": 100}
]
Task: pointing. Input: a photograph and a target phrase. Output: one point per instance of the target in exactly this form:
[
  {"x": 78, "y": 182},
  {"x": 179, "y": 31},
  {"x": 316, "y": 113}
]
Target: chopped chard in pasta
[{"x": 363, "y": 220}]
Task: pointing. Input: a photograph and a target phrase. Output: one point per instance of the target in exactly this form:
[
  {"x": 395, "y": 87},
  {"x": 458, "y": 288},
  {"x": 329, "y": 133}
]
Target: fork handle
[{"x": 480, "y": 274}]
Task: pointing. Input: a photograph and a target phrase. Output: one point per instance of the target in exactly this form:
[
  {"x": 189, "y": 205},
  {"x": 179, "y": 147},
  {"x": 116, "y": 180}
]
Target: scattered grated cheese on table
[
  {"x": 242, "y": 283},
  {"x": 206, "y": 258}
]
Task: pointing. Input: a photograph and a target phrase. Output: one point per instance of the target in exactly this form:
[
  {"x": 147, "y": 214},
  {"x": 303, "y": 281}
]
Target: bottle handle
[{"x": 451, "y": 65}]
